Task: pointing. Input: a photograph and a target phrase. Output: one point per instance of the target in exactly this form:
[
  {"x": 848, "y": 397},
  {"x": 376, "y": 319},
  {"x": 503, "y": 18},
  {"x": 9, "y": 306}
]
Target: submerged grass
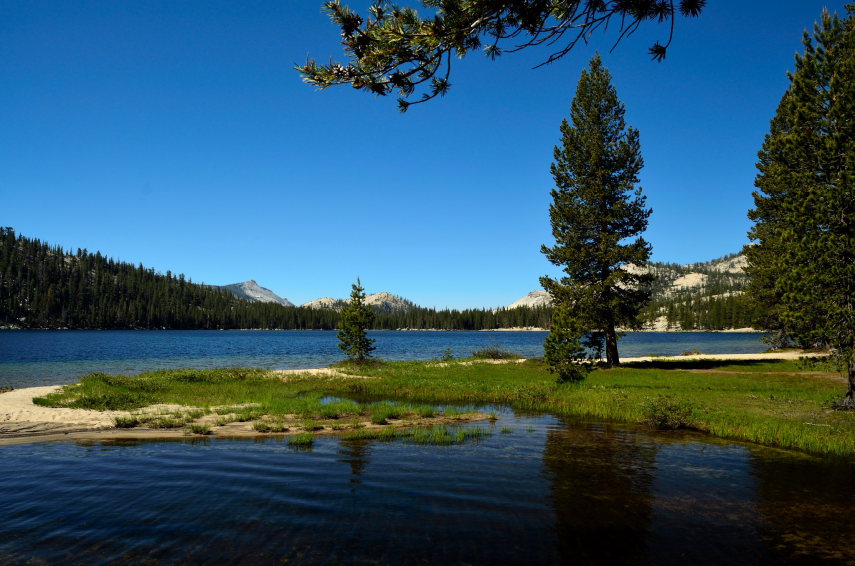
[
  {"x": 435, "y": 435},
  {"x": 782, "y": 403}
]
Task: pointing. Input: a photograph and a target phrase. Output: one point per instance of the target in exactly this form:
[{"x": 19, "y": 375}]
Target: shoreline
[
  {"x": 23, "y": 422},
  {"x": 510, "y": 329}
]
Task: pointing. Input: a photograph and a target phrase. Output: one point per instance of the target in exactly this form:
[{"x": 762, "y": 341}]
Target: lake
[
  {"x": 47, "y": 357},
  {"x": 539, "y": 490},
  {"x": 536, "y": 490}
]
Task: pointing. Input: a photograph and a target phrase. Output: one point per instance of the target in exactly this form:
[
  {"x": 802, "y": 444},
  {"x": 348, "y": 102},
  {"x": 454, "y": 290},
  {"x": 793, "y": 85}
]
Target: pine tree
[
  {"x": 803, "y": 266},
  {"x": 396, "y": 49},
  {"x": 356, "y": 317},
  {"x": 564, "y": 351},
  {"x": 597, "y": 215}
]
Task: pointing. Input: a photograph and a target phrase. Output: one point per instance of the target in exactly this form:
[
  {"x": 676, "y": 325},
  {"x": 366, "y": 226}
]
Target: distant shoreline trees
[{"x": 44, "y": 286}]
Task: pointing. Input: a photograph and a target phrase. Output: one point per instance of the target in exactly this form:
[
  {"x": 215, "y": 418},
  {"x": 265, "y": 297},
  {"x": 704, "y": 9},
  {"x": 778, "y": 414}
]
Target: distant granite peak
[
  {"x": 386, "y": 302},
  {"x": 252, "y": 291},
  {"x": 533, "y": 299}
]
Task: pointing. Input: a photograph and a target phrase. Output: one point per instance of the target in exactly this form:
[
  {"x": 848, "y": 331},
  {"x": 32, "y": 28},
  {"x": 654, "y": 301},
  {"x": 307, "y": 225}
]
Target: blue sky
[{"x": 178, "y": 135}]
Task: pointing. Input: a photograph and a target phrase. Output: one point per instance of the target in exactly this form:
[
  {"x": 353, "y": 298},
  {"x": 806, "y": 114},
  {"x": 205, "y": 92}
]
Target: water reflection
[
  {"x": 355, "y": 453},
  {"x": 807, "y": 506},
  {"x": 601, "y": 480},
  {"x": 545, "y": 492}
]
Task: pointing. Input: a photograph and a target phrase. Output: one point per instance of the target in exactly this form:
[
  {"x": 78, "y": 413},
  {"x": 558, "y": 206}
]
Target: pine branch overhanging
[{"x": 398, "y": 50}]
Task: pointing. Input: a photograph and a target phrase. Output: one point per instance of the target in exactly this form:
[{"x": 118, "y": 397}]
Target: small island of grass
[{"x": 783, "y": 403}]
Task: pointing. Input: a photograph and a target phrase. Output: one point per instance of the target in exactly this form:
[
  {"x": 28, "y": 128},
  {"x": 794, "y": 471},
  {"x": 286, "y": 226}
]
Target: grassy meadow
[{"x": 785, "y": 404}]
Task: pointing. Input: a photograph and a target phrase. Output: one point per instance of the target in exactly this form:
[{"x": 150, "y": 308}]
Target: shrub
[
  {"x": 495, "y": 352},
  {"x": 666, "y": 412}
]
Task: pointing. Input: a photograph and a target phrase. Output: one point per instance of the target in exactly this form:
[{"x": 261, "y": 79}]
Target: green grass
[
  {"x": 782, "y": 404},
  {"x": 199, "y": 429},
  {"x": 435, "y": 435},
  {"x": 233, "y": 395},
  {"x": 126, "y": 422},
  {"x": 494, "y": 352},
  {"x": 304, "y": 440}
]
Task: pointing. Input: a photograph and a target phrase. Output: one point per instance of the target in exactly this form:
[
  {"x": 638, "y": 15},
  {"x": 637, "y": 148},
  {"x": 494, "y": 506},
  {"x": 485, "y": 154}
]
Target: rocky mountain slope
[
  {"x": 252, "y": 291},
  {"x": 534, "y": 299},
  {"x": 384, "y": 302},
  {"x": 720, "y": 277}
]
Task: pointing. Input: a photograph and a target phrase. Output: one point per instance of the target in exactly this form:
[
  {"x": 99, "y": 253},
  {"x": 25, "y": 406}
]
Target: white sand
[{"x": 770, "y": 356}]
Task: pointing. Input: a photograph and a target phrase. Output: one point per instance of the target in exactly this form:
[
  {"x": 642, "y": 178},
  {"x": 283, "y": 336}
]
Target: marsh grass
[
  {"x": 776, "y": 403},
  {"x": 435, "y": 435},
  {"x": 382, "y": 412},
  {"x": 495, "y": 352},
  {"x": 203, "y": 430},
  {"x": 667, "y": 412},
  {"x": 126, "y": 422},
  {"x": 310, "y": 425},
  {"x": 304, "y": 440},
  {"x": 235, "y": 396}
]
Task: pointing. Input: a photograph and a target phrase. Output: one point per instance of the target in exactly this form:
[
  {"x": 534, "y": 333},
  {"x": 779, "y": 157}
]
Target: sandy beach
[{"x": 23, "y": 422}]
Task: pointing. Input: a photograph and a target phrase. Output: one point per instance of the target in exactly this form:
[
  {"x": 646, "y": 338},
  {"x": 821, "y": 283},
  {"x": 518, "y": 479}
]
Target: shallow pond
[{"x": 536, "y": 491}]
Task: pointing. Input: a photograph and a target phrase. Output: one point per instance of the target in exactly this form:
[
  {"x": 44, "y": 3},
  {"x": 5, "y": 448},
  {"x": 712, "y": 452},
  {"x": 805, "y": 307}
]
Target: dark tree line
[{"x": 42, "y": 286}]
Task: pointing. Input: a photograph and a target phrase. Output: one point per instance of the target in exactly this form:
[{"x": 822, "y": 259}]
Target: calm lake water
[
  {"x": 543, "y": 492},
  {"x": 47, "y": 357},
  {"x": 538, "y": 490}
]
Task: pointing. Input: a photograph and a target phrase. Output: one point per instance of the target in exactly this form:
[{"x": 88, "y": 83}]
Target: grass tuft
[
  {"x": 126, "y": 422},
  {"x": 495, "y": 352},
  {"x": 199, "y": 429},
  {"x": 304, "y": 440}
]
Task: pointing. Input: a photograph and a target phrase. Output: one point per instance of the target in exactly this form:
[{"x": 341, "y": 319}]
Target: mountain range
[{"x": 718, "y": 278}]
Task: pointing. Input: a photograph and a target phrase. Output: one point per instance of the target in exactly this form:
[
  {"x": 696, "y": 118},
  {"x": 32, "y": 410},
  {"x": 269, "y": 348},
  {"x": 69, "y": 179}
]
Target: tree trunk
[
  {"x": 849, "y": 400},
  {"x": 612, "y": 357}
]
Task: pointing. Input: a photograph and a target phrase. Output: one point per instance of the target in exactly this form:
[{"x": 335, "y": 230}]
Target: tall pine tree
[
  {"x": 597, "y": 216},
  {"x": 803, "y": 266},
  {"x": 356, "y": 317}
]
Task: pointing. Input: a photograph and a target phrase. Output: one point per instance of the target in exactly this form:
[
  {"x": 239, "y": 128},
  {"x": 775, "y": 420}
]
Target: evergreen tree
[
  {"x": 356, "y": 317},
  {"x": 564, "y": 352},
  {"x": 803, "y": 266},
  {"x": 595, "y": 214},
  {"x": 396, "y": 49}
]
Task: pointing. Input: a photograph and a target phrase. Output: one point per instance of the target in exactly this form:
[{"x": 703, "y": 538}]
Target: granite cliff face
[
  {"x": 252, "y": 291},
  {"x": 386, "y": 302},
  {"x": 533, "y": 299},
  {"x": 720, "y": 277}
]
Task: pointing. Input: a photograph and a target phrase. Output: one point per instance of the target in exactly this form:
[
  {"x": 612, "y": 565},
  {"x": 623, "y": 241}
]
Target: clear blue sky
[{"x": 179, "y": 136}]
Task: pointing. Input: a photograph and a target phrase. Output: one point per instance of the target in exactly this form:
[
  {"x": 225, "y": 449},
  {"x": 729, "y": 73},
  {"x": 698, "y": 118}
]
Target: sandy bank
[{"x": 769, "y": 356}]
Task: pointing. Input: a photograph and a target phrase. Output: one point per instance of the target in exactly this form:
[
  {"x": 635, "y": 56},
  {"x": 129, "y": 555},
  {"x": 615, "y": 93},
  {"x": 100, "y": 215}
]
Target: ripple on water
[{"x": 547, "y": 492}]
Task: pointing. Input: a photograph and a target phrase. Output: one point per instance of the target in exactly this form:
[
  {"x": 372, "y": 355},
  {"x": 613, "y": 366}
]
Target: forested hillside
[
  {"x": 699, "y": 296},
  {"x": 43, "y": 286}
]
